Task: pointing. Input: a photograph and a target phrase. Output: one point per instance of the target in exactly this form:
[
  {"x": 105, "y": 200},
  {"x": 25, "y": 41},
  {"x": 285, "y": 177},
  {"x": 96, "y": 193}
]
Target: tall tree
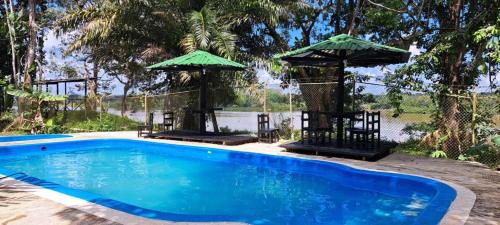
[
  {"x": 10, "y": 18},
  {"x": 452, "y": 61},
  {"x": 123, "y": 35},
  {"x": 29, "y": 64}
]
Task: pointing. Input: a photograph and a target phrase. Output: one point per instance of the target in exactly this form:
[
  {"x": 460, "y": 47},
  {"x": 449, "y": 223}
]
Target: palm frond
[{"x": 188, "y": 43}]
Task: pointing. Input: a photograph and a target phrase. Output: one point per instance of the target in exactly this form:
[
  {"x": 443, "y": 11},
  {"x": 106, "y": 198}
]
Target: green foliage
[
  {"x": 87, "y": 121},
  {"x": 491, "y": 35},
  {"x": 439, "y": 154},
  {"x": 441, "y": 140},
  {"x": 208, "y": 32},
  {"x": 6, "y": 119},
  {"x": 53, "y": 128},
  {"x": 227, "y": 130},
  {"x": 32, "y": 107},
  {"x": 496, "y": 141},
  {"x": 37, "y": 97},
  {"x": 276, "y": 101},
  {"x": 488, "y": 154},
  {"x": 407, "y": 104}
]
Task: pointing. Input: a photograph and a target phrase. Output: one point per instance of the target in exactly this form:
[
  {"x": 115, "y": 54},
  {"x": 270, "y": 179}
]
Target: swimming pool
[
  {"x": 31, "y": 137},
  {"x": 187, "y": 183}
]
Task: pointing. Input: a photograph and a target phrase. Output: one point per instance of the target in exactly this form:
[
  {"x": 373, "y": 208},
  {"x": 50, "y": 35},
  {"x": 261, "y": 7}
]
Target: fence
[
  {"x": 477, "y": 116},
  {"x": 471, "y": 119}
]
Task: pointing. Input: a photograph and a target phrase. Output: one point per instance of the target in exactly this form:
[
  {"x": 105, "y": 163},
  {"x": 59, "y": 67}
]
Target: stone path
[{"x": 19, "y": 207}]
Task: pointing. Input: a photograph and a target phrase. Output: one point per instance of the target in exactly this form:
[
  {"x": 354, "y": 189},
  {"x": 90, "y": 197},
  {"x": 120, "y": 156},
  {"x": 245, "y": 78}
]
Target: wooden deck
[
  {"x": 223, "y": 139},
  {"x": 365, "y": 154}
]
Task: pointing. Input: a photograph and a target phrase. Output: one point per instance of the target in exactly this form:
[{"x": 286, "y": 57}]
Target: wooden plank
[
  {"x": 216, "y": 139},
  {"x": 363, "y": 153}
]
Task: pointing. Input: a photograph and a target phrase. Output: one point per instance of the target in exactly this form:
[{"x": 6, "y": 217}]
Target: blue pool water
[
  {"x": 31, "y": 137},
  {"x": 185, "y": 183}
]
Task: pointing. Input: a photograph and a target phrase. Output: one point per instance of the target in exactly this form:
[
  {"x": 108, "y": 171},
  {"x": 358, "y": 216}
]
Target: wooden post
[
  {"x": 85, "y": 89},
  {"x": 340, "y": 100},
  {"x": 290, "y": 105},
  {"x": 265, "y": 98},
  {"x": 65, "y": 100},
  {"x": 100, "y": 107},
  {"x": 146, "y": 108},
  {"x": 474, "y": 113},
  {"x": 353, "y": 92},
  {"x": 202, "y": 99}
]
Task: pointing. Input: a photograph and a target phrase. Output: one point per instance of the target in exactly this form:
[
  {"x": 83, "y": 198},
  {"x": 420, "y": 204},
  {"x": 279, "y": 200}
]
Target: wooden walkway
[
  {"x": 365, "y": 154},
  {"x": 223, "y": 139}
]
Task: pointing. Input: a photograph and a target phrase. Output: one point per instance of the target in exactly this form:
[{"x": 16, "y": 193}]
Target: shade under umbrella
[
  {"x": 341, "y": 51},
  {"x": 199, "y": 61}
]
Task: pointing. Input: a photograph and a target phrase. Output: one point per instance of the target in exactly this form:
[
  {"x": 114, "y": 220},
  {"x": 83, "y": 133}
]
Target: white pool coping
[{"x": 457, "y": 213}]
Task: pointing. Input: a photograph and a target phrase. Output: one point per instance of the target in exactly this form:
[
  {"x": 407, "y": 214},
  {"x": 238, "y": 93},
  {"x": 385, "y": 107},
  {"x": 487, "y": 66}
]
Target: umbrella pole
[
  {"x": 340, "y": 102},
  {"x": 203, "y": 100}
]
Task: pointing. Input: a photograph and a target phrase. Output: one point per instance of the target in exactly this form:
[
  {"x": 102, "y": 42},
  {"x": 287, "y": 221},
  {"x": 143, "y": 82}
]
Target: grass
[
  {"x": 421, "y": 104},
  {"x": 87, "y": 121}
]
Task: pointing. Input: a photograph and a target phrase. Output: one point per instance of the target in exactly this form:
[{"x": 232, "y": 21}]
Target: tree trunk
[
  {"x": 318, "y": 97},
  {"x": 450, "y": 106},
  {"x": 92, "y": 100},
  {"x": 31, "y": 51},
  {"x": 450, "y": 126},
  {"x": 124, "y": 98},
  {"x": 9, "y": 9},
  {"x": 338, "y": 10}
]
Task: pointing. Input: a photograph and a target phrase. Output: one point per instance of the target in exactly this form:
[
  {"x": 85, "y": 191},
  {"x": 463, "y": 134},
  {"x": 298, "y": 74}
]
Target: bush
[
  {"x": 6, "y": 119},
  {"x": 227, "y": 130},
  {"x": 488, "y": 154},
  {"x": 77, "y": 121}
]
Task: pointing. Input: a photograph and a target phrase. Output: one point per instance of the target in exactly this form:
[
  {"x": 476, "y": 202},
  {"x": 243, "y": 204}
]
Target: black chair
[
  {"x": 368, "y": 135},
  {"x": 373, "y": 129},
  {"x": 355, "y": 130},
  {"x": 312, "y": 129},
  {"x": 168, "y": 122},
  {"x": 264, "y": 132},
  {"x": 306, "y": 126},
  {"x": 147, "y": 128}
]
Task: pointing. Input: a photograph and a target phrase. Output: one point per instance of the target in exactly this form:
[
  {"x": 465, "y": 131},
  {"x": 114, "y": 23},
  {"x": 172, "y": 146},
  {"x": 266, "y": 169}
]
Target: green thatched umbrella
[
  {"x": 199, "y": 61},
  {"x": 341, "y": 51}
]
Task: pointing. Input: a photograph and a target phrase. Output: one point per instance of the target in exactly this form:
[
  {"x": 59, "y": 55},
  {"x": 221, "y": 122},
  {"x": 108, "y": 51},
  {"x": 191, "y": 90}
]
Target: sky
[{"x": 53, "y": 46}]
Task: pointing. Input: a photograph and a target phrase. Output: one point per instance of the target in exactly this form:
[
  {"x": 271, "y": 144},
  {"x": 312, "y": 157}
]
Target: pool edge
[
  {"x": 457, "y": 214},
  {"x": 95, "y": 209}
]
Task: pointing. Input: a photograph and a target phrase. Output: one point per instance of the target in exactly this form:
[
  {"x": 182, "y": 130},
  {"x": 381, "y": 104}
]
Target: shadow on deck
[
  {"x": 371, "y": 154},
  {"x": 222, "y": 139}
]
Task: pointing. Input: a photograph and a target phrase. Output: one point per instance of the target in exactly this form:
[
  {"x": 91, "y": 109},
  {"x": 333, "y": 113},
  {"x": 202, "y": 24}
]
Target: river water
[{"x": 391, "y": 128}]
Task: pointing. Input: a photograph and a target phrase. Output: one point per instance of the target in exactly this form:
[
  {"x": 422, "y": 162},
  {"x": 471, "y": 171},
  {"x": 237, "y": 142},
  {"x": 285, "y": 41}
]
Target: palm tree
[
  {"x": 35, "y": 99},
  {"x": 116, "y": 34},
  {"x": 208, "y": 32}
]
